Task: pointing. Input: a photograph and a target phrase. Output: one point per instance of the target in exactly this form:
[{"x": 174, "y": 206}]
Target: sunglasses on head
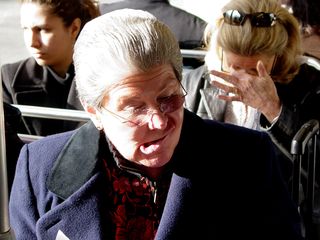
[{"x": 259, "y": 19}]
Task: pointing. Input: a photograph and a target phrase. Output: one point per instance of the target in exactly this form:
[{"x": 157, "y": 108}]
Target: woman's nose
[
  {"x": 158, "y": 120},
  {"x": 32, "y": 39}
]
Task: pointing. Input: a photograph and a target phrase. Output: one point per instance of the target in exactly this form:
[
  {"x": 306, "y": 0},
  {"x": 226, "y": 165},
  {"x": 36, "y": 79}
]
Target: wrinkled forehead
[
  {"x": 157, "y": 81},
  {"x": 157, "y": 76}
]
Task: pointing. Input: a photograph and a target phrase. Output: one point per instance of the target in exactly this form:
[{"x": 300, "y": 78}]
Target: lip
[
  {"x": 159, "y": 143},
  {"x": 154, "y": 146},
  {"x": 38, "y": 54}
]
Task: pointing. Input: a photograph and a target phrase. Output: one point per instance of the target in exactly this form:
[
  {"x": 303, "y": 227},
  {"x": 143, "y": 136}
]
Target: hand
[{"x": 256, "y": 91}]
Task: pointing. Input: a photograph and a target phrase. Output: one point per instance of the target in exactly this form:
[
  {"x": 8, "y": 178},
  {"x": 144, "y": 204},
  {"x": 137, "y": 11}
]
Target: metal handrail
[
  {"x": 4, "y": 224},
  {"x": 188, "y": 53},
  {"x": 49, "y": 113},
  {"x": 52, "y": 113},
  {"x": 6, "y": 233}
]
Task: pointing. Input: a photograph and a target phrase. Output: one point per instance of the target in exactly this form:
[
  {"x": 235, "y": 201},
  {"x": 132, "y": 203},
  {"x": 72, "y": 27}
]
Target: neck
[{"x": 153, "y": 173}]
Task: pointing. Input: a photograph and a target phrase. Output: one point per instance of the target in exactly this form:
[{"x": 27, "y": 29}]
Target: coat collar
[
  {"x": 78, "y": 160},
  {"x": 32, "y": 82},
  {"x": 76, "y": 163},
  {"x": 31, "y": 76}
]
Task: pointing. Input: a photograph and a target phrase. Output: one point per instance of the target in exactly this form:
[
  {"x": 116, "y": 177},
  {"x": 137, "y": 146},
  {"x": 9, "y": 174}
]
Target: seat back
[{"x": 306, "y": 191}]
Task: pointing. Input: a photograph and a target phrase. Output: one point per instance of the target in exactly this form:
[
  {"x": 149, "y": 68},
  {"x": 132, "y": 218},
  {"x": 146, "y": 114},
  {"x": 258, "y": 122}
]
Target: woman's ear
[
  {"x": 75, "y": 28},
  {"x": 94, "y": 115}
]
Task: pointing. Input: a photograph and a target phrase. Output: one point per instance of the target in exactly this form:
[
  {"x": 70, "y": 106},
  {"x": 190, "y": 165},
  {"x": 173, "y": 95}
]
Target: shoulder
[
  {"x": 43, "y": 152},
  {"x": 215, "y": 150},
  {"x": 26, "y": 72},
  {"x": 195, "y": 73},
  {"x": 305, "y": 82},
  {"x": 51, "y": 141},
  {"x": 36, "y": 160},
  {"x": 194, "y": 81},
  {"x": 194, "y": 76},
  {"x": 9, "y": 70},
  {"x": 309, "y": 73},
  {"x": 210, "y": 135},
  {"x": 179, "y": 16},
  {"x": 14, "y": 66},
  {"x": 134, "y": 4}
]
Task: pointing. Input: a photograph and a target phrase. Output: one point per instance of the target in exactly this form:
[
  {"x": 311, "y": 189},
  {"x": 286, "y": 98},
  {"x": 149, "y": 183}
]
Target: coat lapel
[
  {"x": 79, "y": 216},
  {"x": 76, "y": 162}
]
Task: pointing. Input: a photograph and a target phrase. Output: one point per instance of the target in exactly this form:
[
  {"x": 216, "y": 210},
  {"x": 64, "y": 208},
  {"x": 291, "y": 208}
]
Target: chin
[
  {"x": 155, "y": 162},
  {"x": 41, "y": 62}
]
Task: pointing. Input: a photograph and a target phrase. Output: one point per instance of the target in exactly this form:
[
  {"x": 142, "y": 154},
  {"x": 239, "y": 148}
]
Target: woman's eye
[
  {"x": 134, "y": 109},
  {"x": 167, "y": 98},
  {"x": 253, "y": 72}
]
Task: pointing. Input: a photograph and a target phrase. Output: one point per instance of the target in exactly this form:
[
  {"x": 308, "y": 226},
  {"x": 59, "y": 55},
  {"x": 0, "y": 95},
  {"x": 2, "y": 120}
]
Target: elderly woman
[{"x": 141, "y": 168}]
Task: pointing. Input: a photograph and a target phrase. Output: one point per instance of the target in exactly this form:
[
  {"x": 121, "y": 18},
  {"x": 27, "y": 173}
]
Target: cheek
[
  {"x": 175, "y": 121},
  {"x": 179, "y": 122},
  {"x": 56, "y": 42},
  {"x": 124, "y": 140},
  {"x": 49, "y": 41},
  {"x": 178, "y": 117},
  {"x": 127, "y": 141}
]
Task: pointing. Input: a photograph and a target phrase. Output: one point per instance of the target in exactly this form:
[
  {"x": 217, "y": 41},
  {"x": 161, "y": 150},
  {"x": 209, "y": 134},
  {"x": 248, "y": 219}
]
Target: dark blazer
[
  {"x": 226, "y": 188},
  {"x": 188, "y": 28},
  {"x": 27, "y": 83},
  {"x": 13, "y": 142}
]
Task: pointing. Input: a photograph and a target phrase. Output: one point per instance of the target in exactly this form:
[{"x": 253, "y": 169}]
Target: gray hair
[{"x": 117, "y": 44}]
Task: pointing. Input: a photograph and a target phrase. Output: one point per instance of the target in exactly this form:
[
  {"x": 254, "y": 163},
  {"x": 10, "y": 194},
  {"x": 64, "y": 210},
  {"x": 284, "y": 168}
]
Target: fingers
[
  {"x": 224, "y": 87},
  {"x": 230, "y": 98},
  {"x": 227, "y": 77},
  {"x": 231, "y": 93}
]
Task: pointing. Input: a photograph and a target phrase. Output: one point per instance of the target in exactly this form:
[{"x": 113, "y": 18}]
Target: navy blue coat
[{"x": 226, "y": 187}]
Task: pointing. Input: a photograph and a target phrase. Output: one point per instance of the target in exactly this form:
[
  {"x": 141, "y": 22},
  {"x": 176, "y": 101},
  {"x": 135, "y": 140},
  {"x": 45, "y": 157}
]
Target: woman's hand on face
[{"x": 257, "y": 91}]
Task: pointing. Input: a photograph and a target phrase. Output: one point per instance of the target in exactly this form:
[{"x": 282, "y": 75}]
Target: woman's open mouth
[{"x": 151, "y": 147}]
